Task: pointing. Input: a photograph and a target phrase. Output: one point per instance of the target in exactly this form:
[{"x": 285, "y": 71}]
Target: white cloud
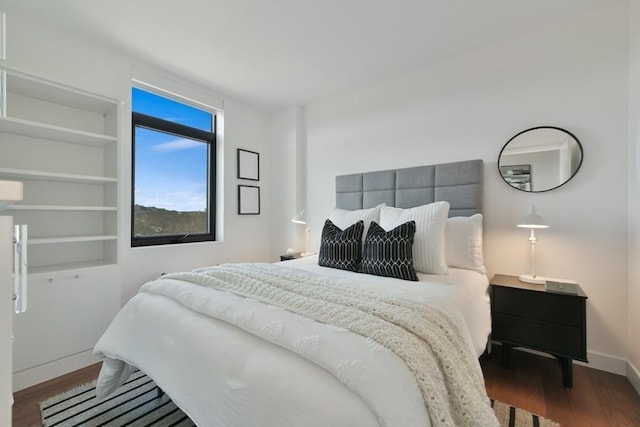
[
  {"x": 183, "y": 201},
  {"x": 178, "y": 144}
]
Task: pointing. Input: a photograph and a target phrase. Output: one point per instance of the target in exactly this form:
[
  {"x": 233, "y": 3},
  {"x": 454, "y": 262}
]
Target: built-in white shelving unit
[{"x": 62, "y": 142}]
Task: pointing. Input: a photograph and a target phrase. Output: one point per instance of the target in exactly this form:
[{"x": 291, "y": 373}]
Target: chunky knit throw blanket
[{"x": 432, "y": 345}]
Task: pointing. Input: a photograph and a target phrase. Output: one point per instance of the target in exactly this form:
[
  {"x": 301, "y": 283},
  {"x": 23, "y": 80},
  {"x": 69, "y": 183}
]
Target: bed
[{"x": 299, "y": 343}]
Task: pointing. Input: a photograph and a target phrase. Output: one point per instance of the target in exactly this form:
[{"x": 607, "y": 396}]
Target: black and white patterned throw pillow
[
  {"x": 390, "y": 253},
  {"x": 341, "y": 248}
]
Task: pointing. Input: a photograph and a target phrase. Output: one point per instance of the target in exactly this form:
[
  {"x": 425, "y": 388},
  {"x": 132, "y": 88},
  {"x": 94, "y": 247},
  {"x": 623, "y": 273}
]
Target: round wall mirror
[{"x": 540, "y": 159}]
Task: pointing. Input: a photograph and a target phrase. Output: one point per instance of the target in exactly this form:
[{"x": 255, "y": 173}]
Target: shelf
[
  {"x": 20, "y": 207},
  {"x": 57, "y": 268},
  {"x": 46, "y": 90},
  {"x": 56, "y": 133},
  {"x": 63, "y": 144},
  {"x": 53, "y": 176},
  {"x": 69, "y": 239}
]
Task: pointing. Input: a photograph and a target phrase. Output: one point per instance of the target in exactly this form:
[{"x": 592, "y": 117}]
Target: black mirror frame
[{"x": 534, "y": 128}]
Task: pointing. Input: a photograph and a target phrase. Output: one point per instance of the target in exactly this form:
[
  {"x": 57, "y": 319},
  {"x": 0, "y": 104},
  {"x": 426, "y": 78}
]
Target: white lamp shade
[
  {"x": 10, "y": 191},
  {"x": 301, "y": 217},
  {"x": 532, "y": 220}
]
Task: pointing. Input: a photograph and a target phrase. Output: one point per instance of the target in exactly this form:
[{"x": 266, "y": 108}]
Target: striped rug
[
  {"x": 137, "y": 404},
  {"x": 510, "y": 416}
]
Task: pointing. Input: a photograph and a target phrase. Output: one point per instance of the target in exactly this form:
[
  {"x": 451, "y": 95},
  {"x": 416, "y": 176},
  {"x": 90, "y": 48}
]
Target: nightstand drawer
[
  {"x": 554, "y": 308},
  {"x": 552, "y": 338}
]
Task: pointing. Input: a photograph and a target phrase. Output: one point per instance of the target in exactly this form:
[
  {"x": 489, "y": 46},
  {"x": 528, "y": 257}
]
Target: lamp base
[{"x": 538, "y": 280}]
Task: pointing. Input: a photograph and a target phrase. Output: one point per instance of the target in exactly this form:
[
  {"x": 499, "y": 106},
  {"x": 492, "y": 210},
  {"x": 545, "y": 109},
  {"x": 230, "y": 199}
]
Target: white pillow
[
  {"x": 429, "y": 254},
  {"x": 464, "y": 243},
  {"x": 344, "y": 218}
]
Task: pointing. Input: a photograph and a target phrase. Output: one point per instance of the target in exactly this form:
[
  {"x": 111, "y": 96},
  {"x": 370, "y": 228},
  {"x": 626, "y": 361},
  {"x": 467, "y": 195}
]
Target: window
[{"x": 173, "y": 171}]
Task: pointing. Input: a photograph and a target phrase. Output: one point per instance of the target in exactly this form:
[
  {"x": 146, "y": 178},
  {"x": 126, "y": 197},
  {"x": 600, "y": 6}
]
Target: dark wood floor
[
  {"x": 598, "y": 398},
  {"x": 26, "y": 412},
  {"x": 534, "y": 383}
]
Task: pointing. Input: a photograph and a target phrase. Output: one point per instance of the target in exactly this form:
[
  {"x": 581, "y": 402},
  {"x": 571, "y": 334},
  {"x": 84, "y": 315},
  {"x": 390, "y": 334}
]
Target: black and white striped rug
[
  {"x": 510, "y": 416},
  {"x": 136, "y": 404}
]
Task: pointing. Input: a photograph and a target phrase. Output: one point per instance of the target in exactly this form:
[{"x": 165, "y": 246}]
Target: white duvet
[
  {"x": 465, "y": 289},
  {"x": 221, "y": 374}
]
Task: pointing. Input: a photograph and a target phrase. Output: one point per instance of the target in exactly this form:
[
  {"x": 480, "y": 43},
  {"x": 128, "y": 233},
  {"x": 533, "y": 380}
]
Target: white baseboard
[
  {"x": 605, "y": 362},
  {"x": 602, "y": 362},
  {"x": 32, "y": 376},
  {"x": 634, "y": 376}
]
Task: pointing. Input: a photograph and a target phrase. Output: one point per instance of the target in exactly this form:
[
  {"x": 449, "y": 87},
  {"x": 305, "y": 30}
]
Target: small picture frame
[
  {"x": 248, "y": 165},
  {"x": 248, "y": 200}
]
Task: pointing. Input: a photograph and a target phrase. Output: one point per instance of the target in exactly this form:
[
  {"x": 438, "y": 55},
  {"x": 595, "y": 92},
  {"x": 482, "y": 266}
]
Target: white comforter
[
  {"x": 210, "y": 364},
  {"x": 465, "y": 289}
]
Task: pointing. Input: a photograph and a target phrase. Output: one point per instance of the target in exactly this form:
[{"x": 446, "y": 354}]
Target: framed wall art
[
  {"x": 248, "y": 165},
  {"x": 248, "y": 200}
]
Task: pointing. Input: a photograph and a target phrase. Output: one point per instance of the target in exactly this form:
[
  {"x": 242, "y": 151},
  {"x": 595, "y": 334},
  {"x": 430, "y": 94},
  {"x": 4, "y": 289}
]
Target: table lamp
[
  {"x": 532, "y": 221},
  {"x": 303, "y": 218}
]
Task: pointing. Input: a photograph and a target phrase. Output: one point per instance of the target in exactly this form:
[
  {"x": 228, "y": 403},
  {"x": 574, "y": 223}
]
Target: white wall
[
  {"x": 288, "y": 147},
  {"x": 572, "y": 75},
  {"x": 53, "y": 53},
  {"x": 633, "y": 370}
]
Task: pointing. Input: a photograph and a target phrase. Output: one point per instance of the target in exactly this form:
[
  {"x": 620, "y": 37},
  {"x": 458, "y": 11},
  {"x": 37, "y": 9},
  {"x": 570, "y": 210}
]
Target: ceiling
[{"x": 274, "y": 54}]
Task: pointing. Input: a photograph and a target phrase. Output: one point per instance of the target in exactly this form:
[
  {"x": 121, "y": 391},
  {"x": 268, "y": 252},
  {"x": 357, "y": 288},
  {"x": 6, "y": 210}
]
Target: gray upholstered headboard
[{"x": 458, "y": 183}]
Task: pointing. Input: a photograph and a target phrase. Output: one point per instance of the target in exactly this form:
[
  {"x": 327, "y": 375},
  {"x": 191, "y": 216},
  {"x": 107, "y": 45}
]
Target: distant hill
[{"x": 150, "y": 221}]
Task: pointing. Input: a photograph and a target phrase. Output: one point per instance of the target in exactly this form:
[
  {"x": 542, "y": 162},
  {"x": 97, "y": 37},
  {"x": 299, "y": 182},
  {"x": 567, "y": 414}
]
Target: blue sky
[{"x": 171, "y": 172}]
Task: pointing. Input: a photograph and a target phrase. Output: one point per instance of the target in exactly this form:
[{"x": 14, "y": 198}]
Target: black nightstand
[
  {"x": 526, "y": 315},
  {"x": 288, "y": 257}
]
